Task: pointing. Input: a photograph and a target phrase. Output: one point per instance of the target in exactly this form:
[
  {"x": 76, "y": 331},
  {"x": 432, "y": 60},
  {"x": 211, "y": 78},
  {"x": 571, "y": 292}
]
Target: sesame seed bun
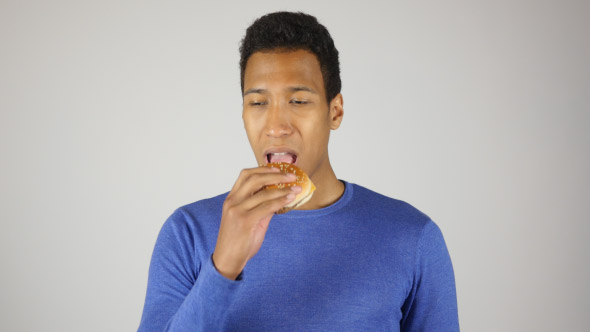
[{"x": 307, "y": 187}]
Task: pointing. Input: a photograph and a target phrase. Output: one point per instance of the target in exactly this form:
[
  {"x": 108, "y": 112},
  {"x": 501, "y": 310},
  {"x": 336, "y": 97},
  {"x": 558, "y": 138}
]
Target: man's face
[{"x": 285, "y": 112}]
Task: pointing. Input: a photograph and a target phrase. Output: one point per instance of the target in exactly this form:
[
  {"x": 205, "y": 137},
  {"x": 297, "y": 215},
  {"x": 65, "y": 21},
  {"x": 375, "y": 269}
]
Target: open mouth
[{"x": 281, "y": 157}]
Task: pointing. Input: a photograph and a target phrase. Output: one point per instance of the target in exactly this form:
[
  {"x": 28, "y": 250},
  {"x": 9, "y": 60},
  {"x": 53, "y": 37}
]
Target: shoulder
[
  {"x": 205, "y": 207},
  {"x": 192, "y": 228},
  {"x": 197, "y": 217},
  {"x": 381, "y": 207},
  {"x": 408, "y": 224}
]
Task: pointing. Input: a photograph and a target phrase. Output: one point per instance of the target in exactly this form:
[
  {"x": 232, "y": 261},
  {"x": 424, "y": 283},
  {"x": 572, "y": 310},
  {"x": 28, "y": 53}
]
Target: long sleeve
[
  {"x": 365, "y": 263},
  {"x": 432, "y": 302},
  {"x": 183, "y": 293}
]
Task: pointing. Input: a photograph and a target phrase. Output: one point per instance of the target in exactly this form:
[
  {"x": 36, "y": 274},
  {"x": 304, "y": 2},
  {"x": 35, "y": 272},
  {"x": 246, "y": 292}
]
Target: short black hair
[{"x": 291, "y": 31}]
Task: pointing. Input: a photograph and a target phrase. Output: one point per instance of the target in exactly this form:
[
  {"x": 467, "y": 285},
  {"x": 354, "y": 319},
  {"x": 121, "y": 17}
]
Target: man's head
[
  {"x": 294, "y": 31},
  {"x": 291, "y": 91}
]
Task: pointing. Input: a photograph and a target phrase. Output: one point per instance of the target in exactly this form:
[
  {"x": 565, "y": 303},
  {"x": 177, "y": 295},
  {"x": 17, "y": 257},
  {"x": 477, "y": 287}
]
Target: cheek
[
  {"x": 250, "y": 124},
  {"x": 316, "y": 133},
  {"x": 250, "y": 131}
]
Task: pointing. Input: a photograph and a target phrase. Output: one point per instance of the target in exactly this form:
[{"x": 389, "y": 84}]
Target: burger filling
[{"x": 282, "y": 157}]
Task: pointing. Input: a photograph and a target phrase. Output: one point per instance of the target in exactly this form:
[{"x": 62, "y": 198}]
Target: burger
[{"x": 307, "y": 187}]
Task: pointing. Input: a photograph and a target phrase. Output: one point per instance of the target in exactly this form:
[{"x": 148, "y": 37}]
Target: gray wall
[{"x": 114, "y": 113}]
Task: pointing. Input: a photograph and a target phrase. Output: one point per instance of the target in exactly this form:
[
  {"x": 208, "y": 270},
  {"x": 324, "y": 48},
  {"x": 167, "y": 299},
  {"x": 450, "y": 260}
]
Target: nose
[{"x": 277, "y": 121}]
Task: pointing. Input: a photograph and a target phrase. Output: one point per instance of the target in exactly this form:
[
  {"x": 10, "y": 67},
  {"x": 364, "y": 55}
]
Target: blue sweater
[{"x": 365, "y": 263}]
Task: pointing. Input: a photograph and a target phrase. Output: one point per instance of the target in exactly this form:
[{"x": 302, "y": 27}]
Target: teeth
[{"x": 279, "y": 153}]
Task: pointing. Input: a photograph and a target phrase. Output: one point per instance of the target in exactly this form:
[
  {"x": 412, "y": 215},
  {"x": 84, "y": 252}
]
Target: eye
[
  {"x": 257, "y": 103},
  {"x": 298, "y": 102}
]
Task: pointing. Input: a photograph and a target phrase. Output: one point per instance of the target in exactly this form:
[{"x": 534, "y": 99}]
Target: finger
[
  {"x": 268, "y": 208},
  {"x": 267, "y": 195},
  {"x": 247, "y": 172},
  {"x": 255, "y": 182}
]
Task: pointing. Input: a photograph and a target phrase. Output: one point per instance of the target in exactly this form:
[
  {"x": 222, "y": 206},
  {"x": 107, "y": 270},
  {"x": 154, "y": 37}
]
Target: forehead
[{"x": 276, "y": 69}]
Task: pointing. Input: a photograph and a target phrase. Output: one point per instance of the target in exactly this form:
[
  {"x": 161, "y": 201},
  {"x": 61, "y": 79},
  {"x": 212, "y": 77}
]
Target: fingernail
[
  {"x": 290, "y": 197},
  {"x": 296, "y": 189},
  {"x": 291, "y": 176}
]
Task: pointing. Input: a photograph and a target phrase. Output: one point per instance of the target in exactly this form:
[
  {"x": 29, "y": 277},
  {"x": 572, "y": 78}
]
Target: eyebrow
[
  {"x": 261, "y": 91},
  {"x": 302, "y": 88},
  {"x": 291, "y": 89}
]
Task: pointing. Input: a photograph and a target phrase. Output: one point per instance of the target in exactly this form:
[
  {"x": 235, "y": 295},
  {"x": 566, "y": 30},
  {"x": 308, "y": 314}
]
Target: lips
[{"x": 276, "y": 155}]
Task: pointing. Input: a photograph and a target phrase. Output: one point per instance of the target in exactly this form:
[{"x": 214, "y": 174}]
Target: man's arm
[
  {"x": 178, "y": 299},
  {"x": 432, "y": 302}
]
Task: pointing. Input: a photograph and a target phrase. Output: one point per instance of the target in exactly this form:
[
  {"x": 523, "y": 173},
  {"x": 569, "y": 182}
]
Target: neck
[{"x": 328, "y": 188}]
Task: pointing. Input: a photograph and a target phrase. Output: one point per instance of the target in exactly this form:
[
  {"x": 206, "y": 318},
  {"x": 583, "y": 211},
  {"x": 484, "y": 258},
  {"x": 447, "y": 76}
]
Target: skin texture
[{"x": 284, "y": 106}]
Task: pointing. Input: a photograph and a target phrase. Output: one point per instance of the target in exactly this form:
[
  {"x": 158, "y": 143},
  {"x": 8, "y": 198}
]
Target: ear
[{"x": 336, "y": 111}]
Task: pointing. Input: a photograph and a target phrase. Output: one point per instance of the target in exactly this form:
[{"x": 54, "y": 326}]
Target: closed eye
[
  {"x": 298, "y": 102},
  {"x": 257, "y": 103}
]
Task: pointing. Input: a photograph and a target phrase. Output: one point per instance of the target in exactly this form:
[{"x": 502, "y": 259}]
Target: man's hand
[{"x": 247, "y": 211}]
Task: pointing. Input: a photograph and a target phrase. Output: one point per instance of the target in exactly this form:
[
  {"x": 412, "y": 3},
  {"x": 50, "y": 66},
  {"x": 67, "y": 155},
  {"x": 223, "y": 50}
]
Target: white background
[{"x": 114, "y": 113}]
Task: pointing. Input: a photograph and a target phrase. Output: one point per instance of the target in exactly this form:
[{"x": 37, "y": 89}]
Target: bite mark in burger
[{"x": 307, "y": 187}]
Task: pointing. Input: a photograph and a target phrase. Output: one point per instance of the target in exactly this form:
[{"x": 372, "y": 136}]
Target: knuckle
[
  {"x": 248, "y": 177},
  {"x": 245, "y": 173},
  {"x": 232, "y": 213}
]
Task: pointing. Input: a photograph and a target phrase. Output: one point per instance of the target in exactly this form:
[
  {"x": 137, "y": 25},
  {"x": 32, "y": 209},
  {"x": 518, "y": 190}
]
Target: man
[{"x": 348, "y": 260}]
